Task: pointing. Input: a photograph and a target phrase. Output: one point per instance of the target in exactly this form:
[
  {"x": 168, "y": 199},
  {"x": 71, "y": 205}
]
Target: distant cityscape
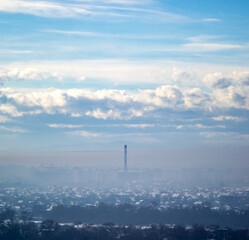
[
  {"x": 121, "y": 203},
  {"x": 48, "y": 175}
]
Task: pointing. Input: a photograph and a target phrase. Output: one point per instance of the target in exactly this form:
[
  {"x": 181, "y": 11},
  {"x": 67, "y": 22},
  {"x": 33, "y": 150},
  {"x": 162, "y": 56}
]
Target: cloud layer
[{"x": 223, "y": 92}]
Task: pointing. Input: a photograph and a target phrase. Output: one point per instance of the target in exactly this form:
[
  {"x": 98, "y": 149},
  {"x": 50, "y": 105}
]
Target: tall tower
[{"x": 125, "y": 158}]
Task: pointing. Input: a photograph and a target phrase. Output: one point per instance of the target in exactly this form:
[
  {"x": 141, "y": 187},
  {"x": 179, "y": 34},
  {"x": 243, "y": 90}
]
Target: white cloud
[
  {"x": 64, "y": 126},
  {"x": 203, "y": 43},
  {"x": 139, "y": 125},
  {"x": 232, "y": 97},
  {"x": 220, "y": 80},
  {"x": 127, "y": 104},
  {"x": 203, "y": 38},
  {"x": 196, "y": 98},
  {"x": 47, "y": 99},
  {"x": 84, "y": 134},
  {"x": 199, "y": 125},
  {"x": 125, "y": 2},
  {"x": 117, "y": 71},
  {"x": 134, "y": 113},
  {"x": 229, "y": 90},
  {"x": 42, "y": 8},
  {"x": 27, "y": 73},
  {"x": 228, "y": 136},
  {"x": 213, "y": 134},
  {"x": 104, "y": 115},
  {"x": 21, "y": 51},
  {"x": 169, "y": 92},
  {"x": 10, "y": 109},
  {"x": 114, "y": 114},
  {"x": 229, "y": 118},
  {"x": 240, "y": 78},
  {"x": 81, "y": 79},
  {"x": 210, "y": 47},
  {"x": 79, "y": 33},
  {"x": 179, "y": 76},
  {"x": 4, "y": 119},
  {"x": 13, "y": 130},
  {"x": 76, "y": 115},
  {"x": 105, "y": 35},
  {"x": 74, "y": 10},
  {"x": 211, "y": 20},
  {"x": 217, "y": 80}
]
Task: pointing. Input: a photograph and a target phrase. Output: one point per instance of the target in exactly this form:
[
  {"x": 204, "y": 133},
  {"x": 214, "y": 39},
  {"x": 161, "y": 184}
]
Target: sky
[{"x": 81, "y": 78}]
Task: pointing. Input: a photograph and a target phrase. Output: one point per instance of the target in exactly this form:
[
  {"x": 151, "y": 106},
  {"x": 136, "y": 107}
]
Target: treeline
[
  {"x": 128, "y": 214},
  {"x": 50, "y": 230}
]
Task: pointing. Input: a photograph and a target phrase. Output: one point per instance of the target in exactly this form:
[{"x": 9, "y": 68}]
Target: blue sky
[{"x": 92, "y": 75}]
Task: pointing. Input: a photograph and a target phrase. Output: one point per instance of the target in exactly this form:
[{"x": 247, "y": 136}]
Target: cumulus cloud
[
  {"x": 217, "y": 80},
  {"x": 196, "y": 98},
  {"x": 232, "y": 97},
  {"x": 229, "y": 91},
  {"x": 240, "y": 78},
  {"x": 123, "y": 102},
  {"x": 104, "y": 115},
  {"x": 11, "y": 110},
  {"x": 134, "y": 113},
  {"x": 127, "y": 104},
  {"x": 169, "y": 93},
  {"x": 114, "y": 114},
  {"x": 221, "y": 81},
  {"x": 46, "y": 99},
  {"x": 178, "y": 75}
]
